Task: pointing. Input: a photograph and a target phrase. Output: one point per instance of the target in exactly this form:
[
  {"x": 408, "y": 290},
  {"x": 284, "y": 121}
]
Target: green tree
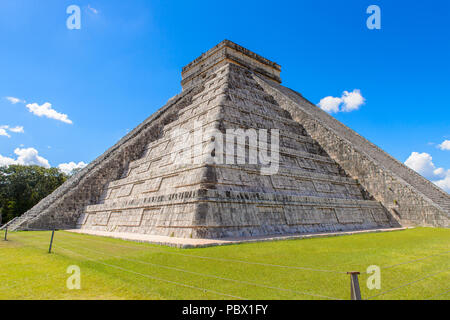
[{"x": 21, "y": 187}]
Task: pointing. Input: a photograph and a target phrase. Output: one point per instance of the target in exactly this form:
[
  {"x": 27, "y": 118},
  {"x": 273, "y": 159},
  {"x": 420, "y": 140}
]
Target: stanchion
[
  {"x": 51, "y": 241},
  {"x": 6, "y": 234},
  {"x": 355, "y": 292}
]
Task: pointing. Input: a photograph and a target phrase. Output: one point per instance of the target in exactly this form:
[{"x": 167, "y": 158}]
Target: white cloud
[
  {"x": 444, "y": 183},
  {"x": 4, "y": 130},
  {"x": 330, "y": 104},
  {"x": 444, "y": 145},
  {"x": 352, "y": 100},
  {"x": 17, "y": 129},
  {"x": 30, "y": 156},
  {"x": 14, "y": 100},
  {"x": 439, "y": 172},
  {"x": 67, "y": 168},
  {"x": 4, "y": 133},
  {"x": 349, "y": 101},
  {"x": 26, "y": 156},
  {"x": 423, "y": 164},
  {"x": 46, "y": 110},
  {"x": 5, "y": 161},
  {"x": 93, "y": 10}
]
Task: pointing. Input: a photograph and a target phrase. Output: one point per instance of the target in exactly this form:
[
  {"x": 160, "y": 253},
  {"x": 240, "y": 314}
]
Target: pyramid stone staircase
[{"x": 411, "y": 198}]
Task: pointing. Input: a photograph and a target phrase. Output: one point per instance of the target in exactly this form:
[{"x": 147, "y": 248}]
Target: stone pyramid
[{"x": 164, "y": 177}]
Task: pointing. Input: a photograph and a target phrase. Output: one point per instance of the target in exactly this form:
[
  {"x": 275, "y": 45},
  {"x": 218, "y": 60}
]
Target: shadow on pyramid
[{"x": 235, "y": 155}]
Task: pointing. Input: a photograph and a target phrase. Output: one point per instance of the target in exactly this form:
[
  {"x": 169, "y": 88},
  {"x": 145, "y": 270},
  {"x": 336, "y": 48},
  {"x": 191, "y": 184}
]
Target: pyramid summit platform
[{"x": 323, "y": 176}]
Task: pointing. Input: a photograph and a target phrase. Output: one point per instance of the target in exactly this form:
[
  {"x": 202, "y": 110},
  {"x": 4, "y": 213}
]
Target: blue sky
[{"x": 125, "y": 63}]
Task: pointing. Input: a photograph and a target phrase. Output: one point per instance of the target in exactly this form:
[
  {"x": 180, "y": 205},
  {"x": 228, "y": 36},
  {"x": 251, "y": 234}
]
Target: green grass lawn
[{"x": 116, "y": 269}]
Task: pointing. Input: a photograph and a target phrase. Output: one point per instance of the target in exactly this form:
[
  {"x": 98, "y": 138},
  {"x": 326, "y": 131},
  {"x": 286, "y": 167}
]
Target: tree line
[{"x": 22, "y": 187}]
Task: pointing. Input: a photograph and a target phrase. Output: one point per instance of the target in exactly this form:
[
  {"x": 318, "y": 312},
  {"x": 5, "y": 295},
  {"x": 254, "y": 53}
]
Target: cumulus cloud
[
  {"x": 444, "y": 145},
  {"x": 349, "y": 101},
  {"x": 444, "y": 183},
  {"x": 352, "y": 100},
  {"x": 67, "y": 168},
  {"x": 30, "y": 156},
  {"x": 25, "y": 156},
  {"x": 46, "y": 110},
  {"x": 4, "y": 130},
  {"x": 5, "y": 161},
  {"x": 423, "y": 163},
  {"x": 14, "y": 100},
  {"x": 330, "y": 104}
]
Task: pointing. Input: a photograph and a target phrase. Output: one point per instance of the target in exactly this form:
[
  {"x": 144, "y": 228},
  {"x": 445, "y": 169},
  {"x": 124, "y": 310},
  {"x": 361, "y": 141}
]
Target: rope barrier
[
  {"x": 187, "y": 271},
  {"x": 407, "y": 284},
  {"x": 230, "y": 260},
  {"x": 155, "y": 278},
  {"x": 411, "y": 261},
  {"x": 29, "y": 229},
  {"x": 235, "y": 261},
  {"x": 438, "y": 295},
  {"x": 266, "y": 264},
  {"x": 214, "y": 276}
]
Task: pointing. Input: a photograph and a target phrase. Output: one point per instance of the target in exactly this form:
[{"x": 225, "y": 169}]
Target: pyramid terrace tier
[
  {"x": 230, "y": 178},
  {"x": 219, "y": 214}
]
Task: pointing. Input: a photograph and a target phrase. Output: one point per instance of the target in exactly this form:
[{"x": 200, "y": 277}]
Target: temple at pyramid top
[{"x": 228, "y": 52}]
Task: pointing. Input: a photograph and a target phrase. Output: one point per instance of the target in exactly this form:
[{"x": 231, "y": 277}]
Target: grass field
[{"x": 414, "y": 265}]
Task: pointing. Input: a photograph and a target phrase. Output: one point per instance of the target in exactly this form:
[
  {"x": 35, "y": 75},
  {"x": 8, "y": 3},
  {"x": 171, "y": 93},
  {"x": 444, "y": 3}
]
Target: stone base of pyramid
[
  {"x": 186, "y": 243},
  {"x": 214, "y": 214}
]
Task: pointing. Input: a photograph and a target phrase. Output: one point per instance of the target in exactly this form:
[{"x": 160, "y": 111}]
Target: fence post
[
  {"x": 51, "y": 241},
  {"x": 355, "y": 292},
  {"x": 6, "y": 234}
]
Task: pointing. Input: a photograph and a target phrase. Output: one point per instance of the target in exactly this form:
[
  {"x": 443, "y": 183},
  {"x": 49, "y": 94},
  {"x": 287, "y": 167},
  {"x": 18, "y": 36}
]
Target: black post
[
  {"x": 6, "y": 234},
  {"x": 51, "y": 242},
  {"x": 355, "y": 292}
]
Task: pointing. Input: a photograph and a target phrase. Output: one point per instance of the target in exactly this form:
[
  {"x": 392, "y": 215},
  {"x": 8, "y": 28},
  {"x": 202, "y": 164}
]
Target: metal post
[
  {"x": 6, "y": 234},
  {"x": 51, "y": 242},
  {"x": 355, "y": 292}
]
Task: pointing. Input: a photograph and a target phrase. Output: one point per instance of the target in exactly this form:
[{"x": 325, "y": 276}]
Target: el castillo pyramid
[{"x": 326, "y": 178}]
